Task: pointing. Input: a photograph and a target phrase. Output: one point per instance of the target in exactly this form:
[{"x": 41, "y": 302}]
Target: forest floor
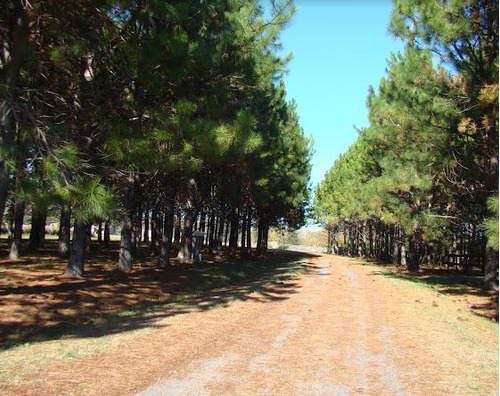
[{"x": 290, "y": 323}]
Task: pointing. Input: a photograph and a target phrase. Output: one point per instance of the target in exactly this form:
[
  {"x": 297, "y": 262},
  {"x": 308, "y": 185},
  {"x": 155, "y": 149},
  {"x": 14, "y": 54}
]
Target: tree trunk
[
  {"x": 265, "y": 238},
  {"x": 155, "y": 232},
  {"x": 351, "y": 236},
  {"x": 362, "y": 240},
  {"x": 249, "y": 232},
  {"x": 186, "y": 249},
  {"x": 145, "y": 237},
  {"x": 64, "y": 231},
  {"x": 396, "y": 246},
  {"x": 166, "y": 243},
  {"x": 99, "y": 232},
  {"x": 403, "y": 254},
  {"x": 138, "y": 225},
  {"x": 243, "y": 250},
  {"x": 371, "y": 252},
  {"x": 491, "y": 270},
  {"x": 336, "y": 249},
  {"x": 15, "y": 245},
  {"x": 387, "y": 244},
  {"x": 12, "y": 62},
  {"x": 126, "y": 259},
  {"x": 220, "y": 236},
  {"x": 203, "y": 222},
  {"x": 77, "y": 256},
  {"x": 413, "y": 263},
  {"x": 227, "y": 226},
  {"x": 233, "y": 236},
  {"x": 135, "y": 232},
  {"x": 4, "y": 190},
  {"x": 107, "y": 233},
  {"x": 37, "y": 233},
  {"x": 260, "y": 235},
  {"x": 214, "y": 225},
  {"x": 126, "y": 243},
  {"x": 177, "y": 226},
  {"x": 89, "y": 236}
]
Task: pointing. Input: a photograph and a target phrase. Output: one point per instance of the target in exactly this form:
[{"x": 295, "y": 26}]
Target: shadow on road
[{"x": 38, "y": 304}]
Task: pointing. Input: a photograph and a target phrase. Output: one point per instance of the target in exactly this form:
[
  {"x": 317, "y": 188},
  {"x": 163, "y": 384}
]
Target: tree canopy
[
  {"x": 416, "y": 183},
  {"x": 152, "y": 112}
]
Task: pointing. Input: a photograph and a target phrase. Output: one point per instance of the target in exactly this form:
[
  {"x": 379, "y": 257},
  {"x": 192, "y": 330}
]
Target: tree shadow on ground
[
  {"x": 38, "y": 304},
  {"x": 453, "y": 283}
]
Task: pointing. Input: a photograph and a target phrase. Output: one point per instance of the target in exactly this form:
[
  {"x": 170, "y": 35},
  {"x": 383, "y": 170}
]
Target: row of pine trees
[
  {"x": 163, "y": 114},
  {"x": 420, "y": 184}
]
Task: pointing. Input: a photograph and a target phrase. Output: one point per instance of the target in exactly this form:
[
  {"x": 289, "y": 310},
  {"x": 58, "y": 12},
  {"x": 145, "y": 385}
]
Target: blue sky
[{"x": 340, "y": 47}]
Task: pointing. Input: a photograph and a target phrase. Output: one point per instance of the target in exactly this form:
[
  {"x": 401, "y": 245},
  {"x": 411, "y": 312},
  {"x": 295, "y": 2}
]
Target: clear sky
[{"x": 340, "y": 47}]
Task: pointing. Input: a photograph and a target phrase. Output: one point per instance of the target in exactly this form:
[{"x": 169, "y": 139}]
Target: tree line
[
  {"x": 170, "y": 116},
  {"x": 420, "y": 184}
]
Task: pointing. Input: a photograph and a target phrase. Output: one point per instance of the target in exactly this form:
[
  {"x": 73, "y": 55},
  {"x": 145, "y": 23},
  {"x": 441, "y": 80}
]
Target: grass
[
  {"x": 450, "y": 283},
  {"x": 459, "y": 316},
  {"x": 447, "y": 282}
]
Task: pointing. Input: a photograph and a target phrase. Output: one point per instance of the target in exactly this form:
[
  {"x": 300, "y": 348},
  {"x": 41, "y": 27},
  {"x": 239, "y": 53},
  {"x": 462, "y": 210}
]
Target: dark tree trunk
[
  {"x": 37, "y": 233},
  {"x": 413, "y": 262},
  {"x": 157, "y": 231},
  {"x": 249, "y": 232},
  {"x": 220, "y": 236},
  {"x": 126, "y": 243},
  {"x": 370, "y": 241},
  {"x": 4, "y": 190},
  {"x": 214, "y": 224},
  {"x": 13, "y": 60},
  {"x": 99, "y": 232},
  {"x": 265, "y": 238},
  {"x": 166, "y": 243},
  {"x": 233, "y": 236},
  {"x": 64, "y": 231},
  {"x": 491, "y": 270},
  {"x": 387, "y": 244},
  {"x": 138, "y": 225},
  {"x": 227, "y": 226},
  {"x": 153, "y": 230},
  {"x": 135, "y": 232},
  {"x": 145, "y": 237},
  {"x": 260, "y": 235},
  {"x": 203, "y": 222},
  {"x": 177, "y": 226},
  {"x": 107, "y": 233},
  {"x": 15, "y": 245},
  {"x": 89, "y": 236},
  {"x": 352, "y": 241},
  {"x": 77, "y": 256}
]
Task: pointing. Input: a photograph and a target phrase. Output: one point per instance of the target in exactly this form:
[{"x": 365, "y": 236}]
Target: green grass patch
[{"x": 450, "y": 283}]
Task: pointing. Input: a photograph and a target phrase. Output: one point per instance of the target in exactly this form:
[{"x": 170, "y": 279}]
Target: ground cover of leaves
[{"x": 321, "y": 325}]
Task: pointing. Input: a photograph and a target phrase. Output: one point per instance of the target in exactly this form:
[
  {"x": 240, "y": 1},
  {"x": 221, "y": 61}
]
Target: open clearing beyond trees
[{"x": 292, "y": 323}]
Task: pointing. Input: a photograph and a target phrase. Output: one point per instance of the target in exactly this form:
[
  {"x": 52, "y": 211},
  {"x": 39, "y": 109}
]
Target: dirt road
[{"x": 342, "y": 328}]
